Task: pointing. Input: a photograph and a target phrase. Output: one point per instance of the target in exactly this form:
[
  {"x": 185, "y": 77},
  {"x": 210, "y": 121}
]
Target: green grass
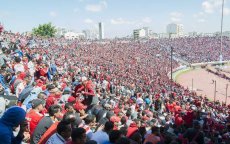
[{"x": 180, "y": 72}]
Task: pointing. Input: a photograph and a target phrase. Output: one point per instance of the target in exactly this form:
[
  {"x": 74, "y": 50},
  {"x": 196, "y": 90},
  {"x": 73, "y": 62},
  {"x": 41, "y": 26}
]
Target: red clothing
[
  {"x": 70, "y": 142},
  {"x": 177, "y": 109},
  {"x": 33, "y": 119},
  {"x": 48, "y": 133},
  {"x": 170, "y": 107},
  {"x": 116, "y": 110},
  {"x": 152, "y": 138},
  {"x": 87, "y": 89},
  {"x": 178, "y": 120},
  {"x": 188, "y": 118},
  {"x": 43, "y": 71},
  {"x": 131, "y": 130},
  {"x": 50, "y": 101},
  {"x": 79, "y": 106}
]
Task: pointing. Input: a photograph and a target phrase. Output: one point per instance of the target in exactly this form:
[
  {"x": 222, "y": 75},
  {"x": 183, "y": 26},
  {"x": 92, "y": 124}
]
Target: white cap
[{"x": 83, "y": 78}]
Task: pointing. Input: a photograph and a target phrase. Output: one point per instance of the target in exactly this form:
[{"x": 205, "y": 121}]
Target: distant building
[
  {"x": 175, "y": 30},
  {"x": 226, "y": 33},
  {"x": 139, "y": 33},
  {"x": 153, "y": 35},
  {"x": 192, "y": 34},
  {"x": 73, "y": 35},
  {"x": 180, "y": 30},
  {"x": 91, "y": 34},
  {"x": 147, "y": 31},
  {"x": 163, "y": 35},
  {"x": 101, "y": 31},
  {"x": 61, "y": 31}
]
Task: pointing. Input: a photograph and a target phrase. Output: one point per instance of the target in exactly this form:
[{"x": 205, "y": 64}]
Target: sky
[{"x": 120, "y": 17}]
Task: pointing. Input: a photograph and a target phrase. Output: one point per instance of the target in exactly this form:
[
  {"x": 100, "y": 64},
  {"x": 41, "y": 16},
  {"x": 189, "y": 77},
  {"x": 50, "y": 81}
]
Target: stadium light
[{"x": 221, "y": 32}]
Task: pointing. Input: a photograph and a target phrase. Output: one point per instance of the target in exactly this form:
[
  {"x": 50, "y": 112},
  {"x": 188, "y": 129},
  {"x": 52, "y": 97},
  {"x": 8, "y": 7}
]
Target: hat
[
  {"x": 83, "y": 78},
  {"x": 71, "y": 99},
  {"x": 37, "y": 102},
  {"x": 67, "y": 90}
]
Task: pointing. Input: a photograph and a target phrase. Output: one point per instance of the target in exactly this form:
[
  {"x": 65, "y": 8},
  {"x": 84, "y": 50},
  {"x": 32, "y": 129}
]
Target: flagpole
[{"x": 221, "y": 36}]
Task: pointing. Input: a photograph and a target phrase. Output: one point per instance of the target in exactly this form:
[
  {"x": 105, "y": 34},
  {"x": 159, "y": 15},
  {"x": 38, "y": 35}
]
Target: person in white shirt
[
  {"x": 62, "y": 135},
  {"x": 31, "y": 67},
  {"x": 102, "y": 136},
  {"x": 18, "y": 67}
]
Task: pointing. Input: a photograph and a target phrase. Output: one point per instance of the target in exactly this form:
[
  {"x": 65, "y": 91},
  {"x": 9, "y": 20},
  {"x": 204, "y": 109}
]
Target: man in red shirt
[
  {"x": 85, "y": 89},
  {"x": 179, "y": 120},
  {"x": 34, "y": 116}
]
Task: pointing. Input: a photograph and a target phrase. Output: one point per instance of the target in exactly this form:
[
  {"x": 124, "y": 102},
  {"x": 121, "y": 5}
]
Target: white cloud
[
  {"x": 96, "y": 7},
  {"x": 88, "y": 21},
  {"x": 147, "y": 20},
  {"x": 198, "y": 15},
  {"x": 210, "y": 6},
  {"x": 176, "y": 16},
  {"x": 226, "y": 11},
  {"x": 119, "y": 21},
  {"x": 207, "y": 7},
  {"x": 53, "y": 14}
]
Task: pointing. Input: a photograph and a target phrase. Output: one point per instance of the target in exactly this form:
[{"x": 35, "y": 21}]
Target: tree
[{"x": 45, "y": 30}]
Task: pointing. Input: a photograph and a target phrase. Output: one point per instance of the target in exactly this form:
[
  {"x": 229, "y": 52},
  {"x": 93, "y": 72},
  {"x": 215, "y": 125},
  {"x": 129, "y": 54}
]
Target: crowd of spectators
[
  {"x": 198, "y": 49},
  {"x": 58, "y": 91}
]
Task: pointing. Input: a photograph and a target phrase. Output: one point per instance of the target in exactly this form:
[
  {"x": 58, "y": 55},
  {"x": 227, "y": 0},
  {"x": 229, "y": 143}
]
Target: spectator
[
  {"x": 34, "y": 116},
  {"x": 3, "y": 58},
  {"x": 10, "y": 120},
  {"x": 86, "y": 89},
  {"x": 195, "y": 134},
  {"x": 78, "y": 136},
  {"x": 123, "y": 140},
  {"x": 153, "y": 137},
  {"x": 114, "y": 136},
  {"x": 45, "y": 123},
  {"x": 102, "y": 136},
  {"x": 62, "y": 135},
  {"x": 18, "y": 67},
  {"x": 89, "y": 125}
]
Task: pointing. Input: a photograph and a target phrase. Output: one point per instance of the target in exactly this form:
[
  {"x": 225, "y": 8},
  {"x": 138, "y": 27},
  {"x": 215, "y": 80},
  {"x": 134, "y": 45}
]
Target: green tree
[{"x": 45, "y": 30}]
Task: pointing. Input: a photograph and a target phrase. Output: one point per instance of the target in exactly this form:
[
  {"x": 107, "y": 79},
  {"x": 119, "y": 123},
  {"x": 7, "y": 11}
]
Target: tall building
[
  {"x": 147, "y": 31},
  {"x": 175, "y": 30},
  {"x": 101, "y": 31},
  {"x": 139, "y": 33},
  {"x": 180, "y": 30}
]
